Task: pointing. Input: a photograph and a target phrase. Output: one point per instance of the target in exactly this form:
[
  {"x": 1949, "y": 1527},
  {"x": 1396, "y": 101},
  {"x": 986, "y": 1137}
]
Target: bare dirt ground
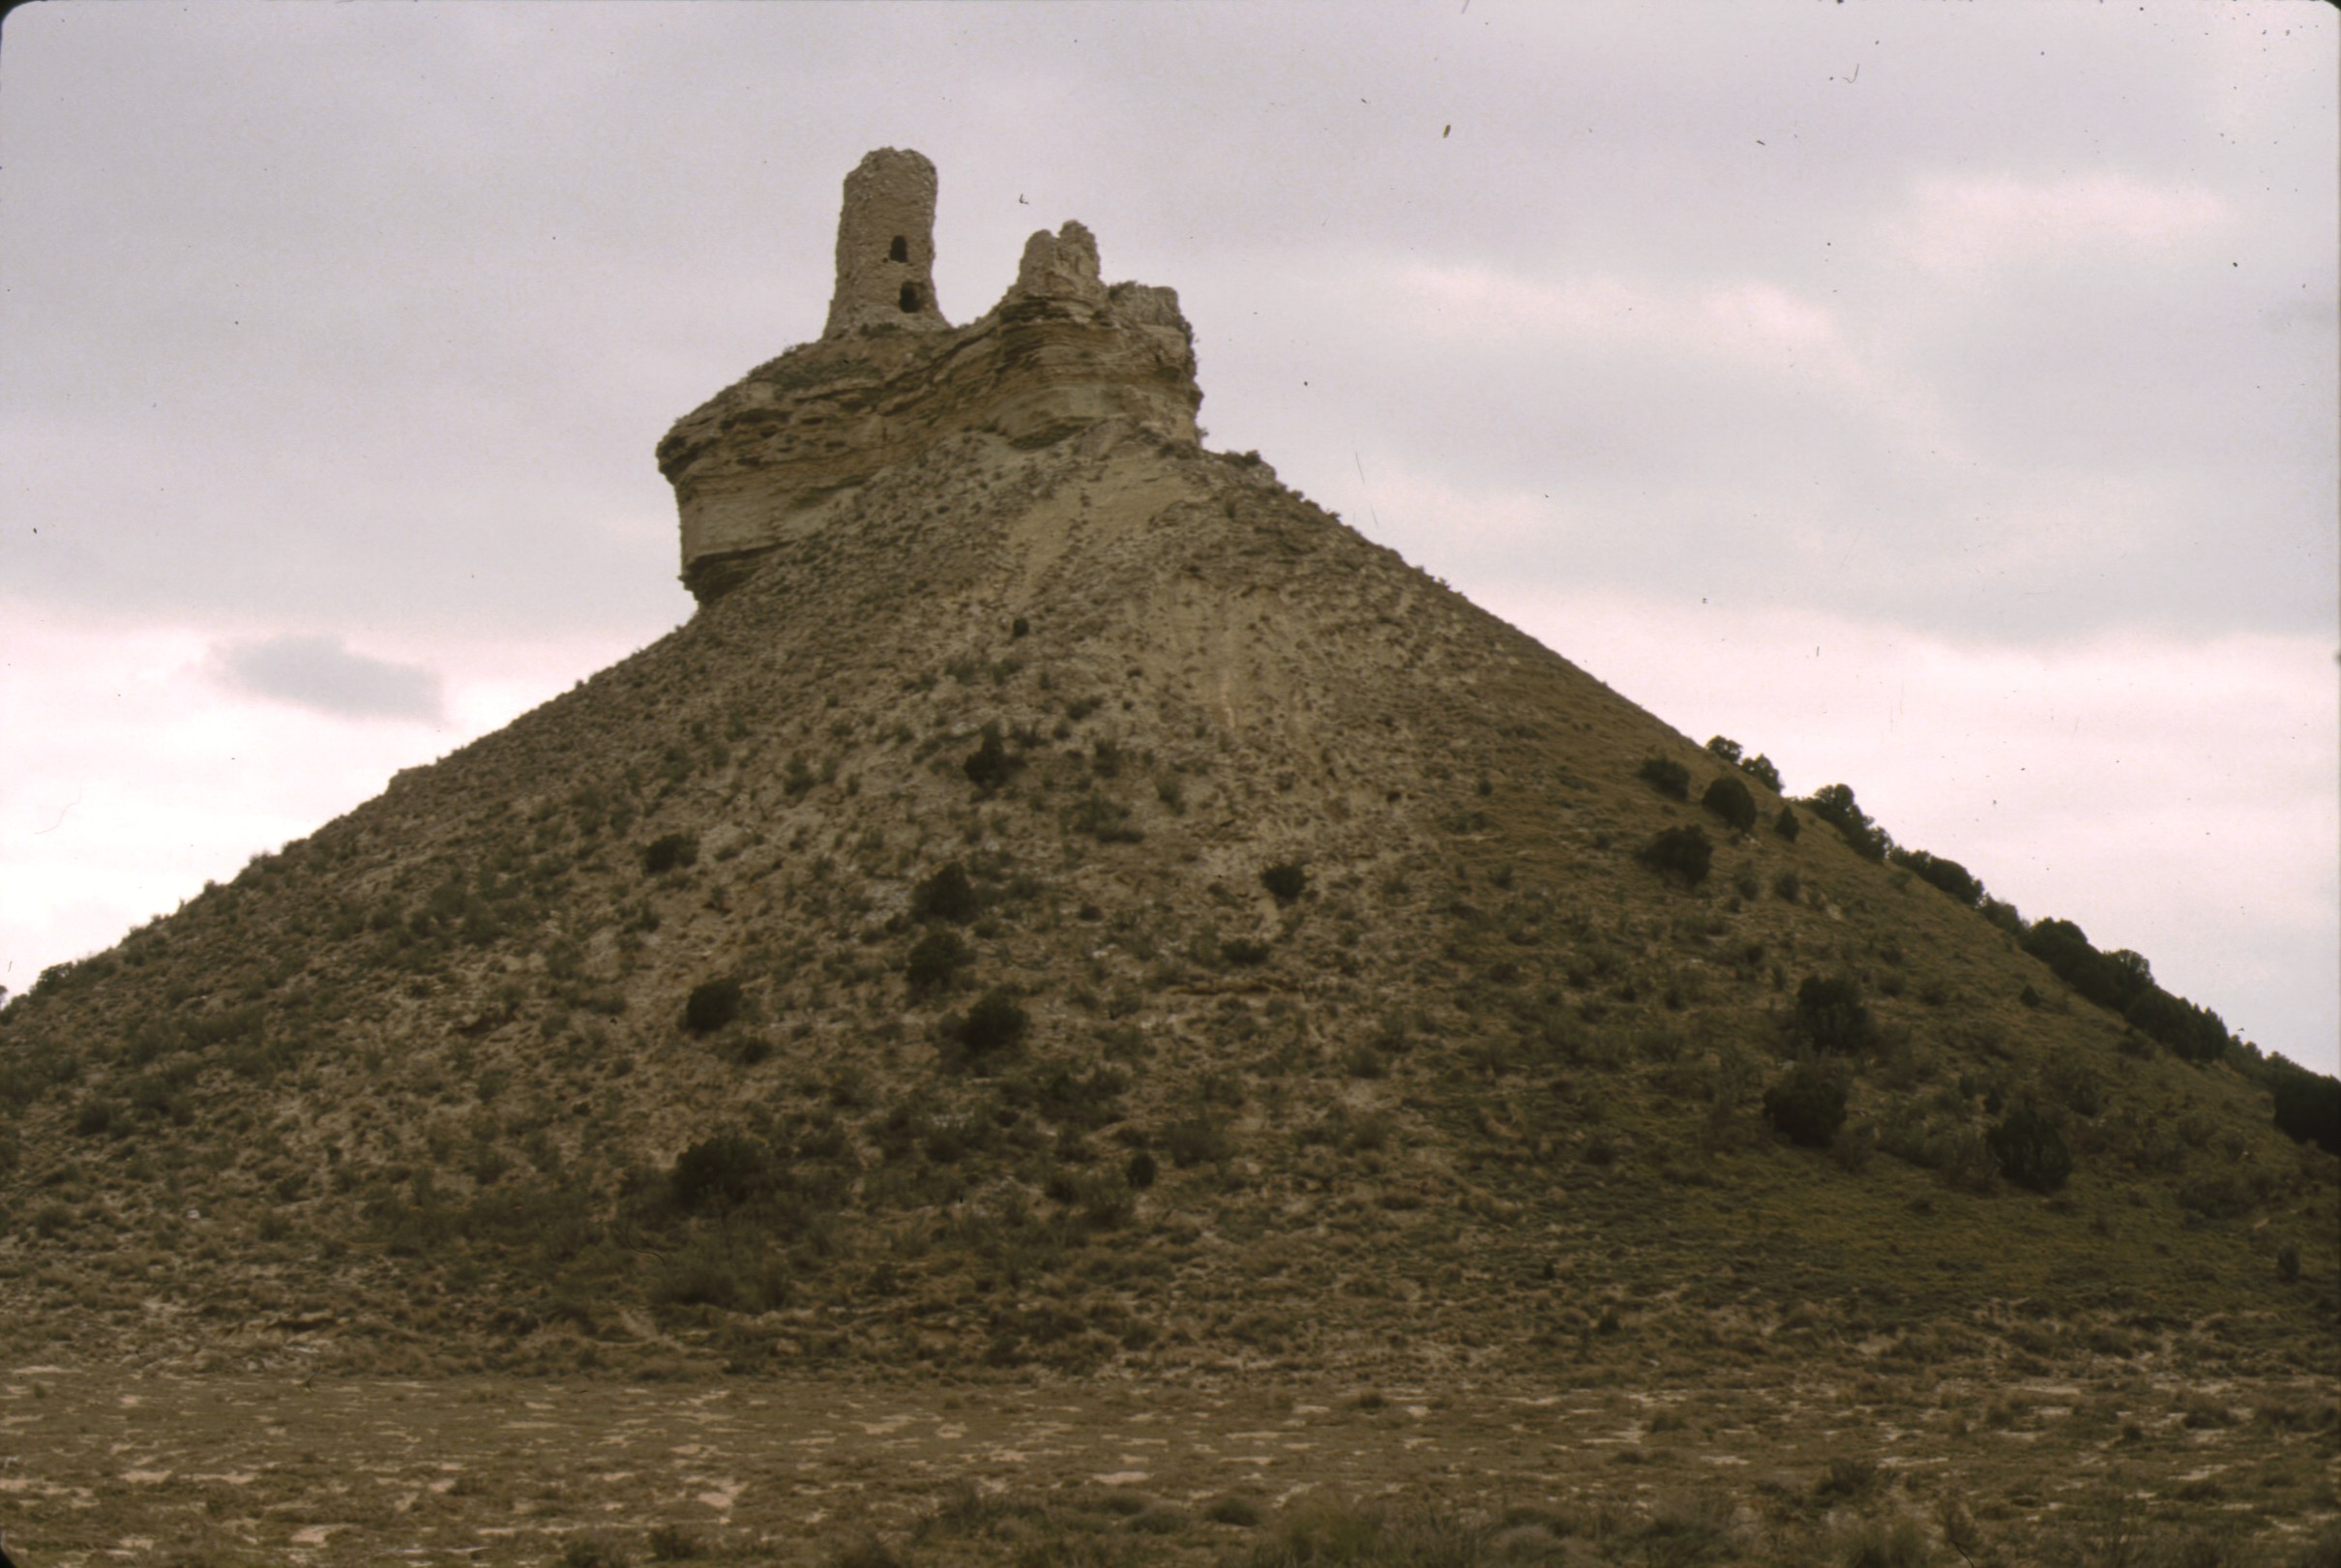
[{"x": 102, "y": 1466}]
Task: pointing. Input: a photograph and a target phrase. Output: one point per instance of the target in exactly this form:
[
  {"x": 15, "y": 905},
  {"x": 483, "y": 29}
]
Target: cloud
[
  {"x": 318, "y": 672},
  {"x": 1970, "y": 223}
]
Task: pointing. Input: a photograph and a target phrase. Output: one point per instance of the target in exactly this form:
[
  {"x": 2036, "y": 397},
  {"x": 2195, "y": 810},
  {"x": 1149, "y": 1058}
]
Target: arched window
[{"x": 911, "y": 298}]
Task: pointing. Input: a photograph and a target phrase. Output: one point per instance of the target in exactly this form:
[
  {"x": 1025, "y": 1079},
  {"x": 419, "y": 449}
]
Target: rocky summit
[{"x": 1068, "y": 911}]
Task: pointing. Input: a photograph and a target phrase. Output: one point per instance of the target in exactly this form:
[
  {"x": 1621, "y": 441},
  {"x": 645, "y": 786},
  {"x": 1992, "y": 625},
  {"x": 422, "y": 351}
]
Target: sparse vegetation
[{"x": 1239, "y": 1036}]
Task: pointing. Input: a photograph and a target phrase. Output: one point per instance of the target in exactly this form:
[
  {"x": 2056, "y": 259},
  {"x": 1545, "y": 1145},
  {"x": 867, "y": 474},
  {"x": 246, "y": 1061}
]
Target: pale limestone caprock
[{"x": 781, "y": 451}]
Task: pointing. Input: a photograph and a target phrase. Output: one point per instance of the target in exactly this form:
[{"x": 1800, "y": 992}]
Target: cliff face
[{"x": 773, "y": 455}]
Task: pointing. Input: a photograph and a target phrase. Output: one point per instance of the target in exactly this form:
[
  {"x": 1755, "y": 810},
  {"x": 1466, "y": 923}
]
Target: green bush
[
  {"x": 935, "y": 962},
  {"x": 994, "y": 1024},
  {"x": 946, "y": 895},
  {"x": 669, "y": 851},
  {"x": 1807, "y": 1104},
  {"x": 1786, "y": 825},
  {"x": 1836, "y": 805},
  {"x": 1684, "y": 854},
  {"x": 1667, "y": 776},
  {"x": 1832, "y": 1018},
  {"x": 2308, "y": 1104},
  {"x": 1285, "y": 880},
  {"x": 2030, "y": 1147},
  {"x": 1948, "y": 875},
  {"x": 719, "y": 1173},
  {"x": 1244, "y": 952},
  {"x": 1724, "y": 748},
  {"x": 1728, "y": 798},
  {"x": 989, "y": 766},
  {"x": 1761, "y": 769},
  {"x": 1139, "y": 1173},
  {"x": 712, "y": 1004}
]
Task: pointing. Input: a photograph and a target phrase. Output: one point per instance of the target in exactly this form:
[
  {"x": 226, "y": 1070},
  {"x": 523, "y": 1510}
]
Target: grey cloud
[
  {"x": 414, "y": 296},
  {"x": 319, "y": 672}
]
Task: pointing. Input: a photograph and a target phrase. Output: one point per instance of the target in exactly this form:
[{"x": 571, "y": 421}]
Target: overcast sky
[{"x": 1937, "y": 399}]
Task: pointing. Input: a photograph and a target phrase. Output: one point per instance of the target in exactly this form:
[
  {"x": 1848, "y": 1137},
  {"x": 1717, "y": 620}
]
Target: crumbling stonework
[
  {"x": 885, "y": 246},
  {"x": 781, "y": 451}
]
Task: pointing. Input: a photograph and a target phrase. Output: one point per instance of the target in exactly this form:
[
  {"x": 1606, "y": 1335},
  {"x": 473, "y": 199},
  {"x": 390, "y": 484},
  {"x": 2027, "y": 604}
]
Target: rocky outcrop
[{"x": 772, "y": 455}]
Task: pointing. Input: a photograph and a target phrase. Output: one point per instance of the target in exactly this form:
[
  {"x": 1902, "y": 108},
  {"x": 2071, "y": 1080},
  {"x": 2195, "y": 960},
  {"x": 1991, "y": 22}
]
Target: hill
[{"x": 1066, "y": 902}]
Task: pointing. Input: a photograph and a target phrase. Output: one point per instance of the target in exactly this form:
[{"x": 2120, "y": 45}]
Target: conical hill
[{"x": 1067, "y": 900}]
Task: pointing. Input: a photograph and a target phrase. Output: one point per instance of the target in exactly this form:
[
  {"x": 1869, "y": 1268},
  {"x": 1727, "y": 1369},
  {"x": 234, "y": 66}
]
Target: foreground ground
[{"x": 100, "y": 1466}]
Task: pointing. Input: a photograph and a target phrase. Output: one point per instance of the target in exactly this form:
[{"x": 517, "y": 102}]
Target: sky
[{"x": 1940, "y": 400}]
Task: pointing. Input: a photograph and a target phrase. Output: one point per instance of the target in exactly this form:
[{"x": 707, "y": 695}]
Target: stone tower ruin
[
  {"x": 886, "y": 246},
  {"x": 784, "y": 450}
]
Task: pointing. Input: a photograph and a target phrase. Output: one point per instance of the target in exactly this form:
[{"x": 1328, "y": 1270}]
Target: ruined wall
[
  {"x": 885, "y": 246},
  {"x": 1061, "y": 352}
]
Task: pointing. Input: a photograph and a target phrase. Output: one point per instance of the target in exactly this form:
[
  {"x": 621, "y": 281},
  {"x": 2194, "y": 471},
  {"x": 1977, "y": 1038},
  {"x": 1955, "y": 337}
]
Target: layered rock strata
[{"x": 775, "y": 453}]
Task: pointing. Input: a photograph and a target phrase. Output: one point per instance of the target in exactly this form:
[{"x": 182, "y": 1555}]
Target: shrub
[
  {"x": 1948, "y": 875},
  {"x": 1139, "y": 1173},
  {"x": 1831, "y": 1016},
  {"x": 935, "y": 962},
  {"x": 1666, "y": 775},
  {"x": 1761, "y": 769},
  {"x": 1836, "y": 805},
  {"x": 1786, "y": 886},
  {"x": 994, "y": 1024},
  {"x": 1106, "y": 820},
  {"x": 1244, "y": 952},
  {"x": 1285, "y": 880},
  {"x": 1786, "y": 825},
  {"x": 946, "y": 895},
  {"x": 1724, "y": 748},
  {"x": 712, "y": 1004},
  {"x": 1241, "y": 1512},
  {"x": 719, "y": 1173},
  {"x": 731, "y": 1269},
  {"x": 1195, "y": 1140},
  {"x": 1683, "y": 853},
  {"x": 2288, "y": 1262},
  {"x": 988, "y": 765},
  {"x": 672, "y": 1543},
  {"x": 2308, "y": 1104},
  {"x": 2031, "y": 1148},
  {"x": 670, "y": 850},
  {"x": 1807, "y": 1104},
  {"x": 1728, "y": 798}
]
